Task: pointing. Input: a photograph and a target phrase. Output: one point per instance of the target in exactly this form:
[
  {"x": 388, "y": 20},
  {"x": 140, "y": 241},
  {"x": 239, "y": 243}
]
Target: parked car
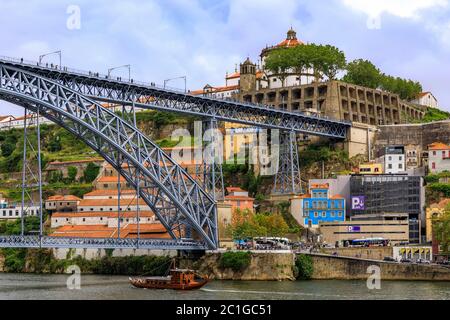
[
  {"x": 390, "y": 259},
  {"x": 404, "y": 260},
  {"x": 423, "y": 261}
]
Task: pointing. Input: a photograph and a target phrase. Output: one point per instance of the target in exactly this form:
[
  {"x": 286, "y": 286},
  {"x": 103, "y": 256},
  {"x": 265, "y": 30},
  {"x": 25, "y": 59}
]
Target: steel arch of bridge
[
  {"x": 177, "y": 200},
  {"x": 106, "y": 89}
]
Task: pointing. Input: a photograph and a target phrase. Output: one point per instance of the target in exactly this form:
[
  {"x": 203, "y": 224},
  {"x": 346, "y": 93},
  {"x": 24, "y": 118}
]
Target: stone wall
[
  {"x": 263, "y": 266},
  {"x": 344, "y": 268},
  {"x": 413, "y": 134},
  {"x": 373, "y": 253}
]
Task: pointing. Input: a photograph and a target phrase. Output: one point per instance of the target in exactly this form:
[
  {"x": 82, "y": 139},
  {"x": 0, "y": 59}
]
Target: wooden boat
[{"x": 178, "y": 279}]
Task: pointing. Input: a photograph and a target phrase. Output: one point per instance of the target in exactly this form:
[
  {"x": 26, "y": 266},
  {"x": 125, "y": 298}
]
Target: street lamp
[
  {"x": 183, "y": 77},
  {"x": 124, "y": 66},
  {"x": 48, "y": 54}
]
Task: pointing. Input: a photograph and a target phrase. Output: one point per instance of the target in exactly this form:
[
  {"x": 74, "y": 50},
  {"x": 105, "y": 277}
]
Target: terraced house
[{"x": 318, "y": 206}]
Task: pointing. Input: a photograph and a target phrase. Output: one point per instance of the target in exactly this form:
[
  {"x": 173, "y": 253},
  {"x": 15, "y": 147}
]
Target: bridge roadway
[
  {"x": 115, "y": 90},
  {"x": 99, "y": 243}
]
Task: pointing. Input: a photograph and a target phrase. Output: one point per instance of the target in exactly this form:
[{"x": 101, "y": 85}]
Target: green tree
[
  {"x": 331, "y": 60},
  {"x": 441, "y": 230},
  {"x": 91, "y": 172},
  {"x": 54, "y": 145},
  {"x": 72, "y": 174},
  {"x": 55, "y": 177},
  {"x": 279, "y": 62},
  {"x": 363, "y": 73},
  {"x": 406, "y": 89},
  {"x": 9, "y": 145}
]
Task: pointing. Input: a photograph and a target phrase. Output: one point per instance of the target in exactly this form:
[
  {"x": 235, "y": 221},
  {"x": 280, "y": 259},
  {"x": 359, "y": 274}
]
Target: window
[
  {"x": 340, "y": 214},
  {"x": 390, "y": 158},
  {"x": 333, "y": 214},
  {"x": 316, "y": 214},
  {"x": 324, "y": 214},
  {"x": 390, "y": 166},
  {"x": 400, "y": 166},
  {"x": 433, "y": 165},
  {"x": 400, "y": 158}
]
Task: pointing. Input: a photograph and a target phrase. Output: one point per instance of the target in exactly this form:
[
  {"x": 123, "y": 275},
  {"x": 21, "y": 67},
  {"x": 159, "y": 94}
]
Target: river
[{"x": 93, "y": 287}]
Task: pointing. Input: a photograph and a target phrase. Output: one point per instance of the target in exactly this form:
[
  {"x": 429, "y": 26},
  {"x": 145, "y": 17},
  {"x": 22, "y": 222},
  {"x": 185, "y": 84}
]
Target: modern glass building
[{"x": 396, "y": 194}]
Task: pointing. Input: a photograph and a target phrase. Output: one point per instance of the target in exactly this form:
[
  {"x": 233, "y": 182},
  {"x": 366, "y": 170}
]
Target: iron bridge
[{"x": 70, "y": 98}]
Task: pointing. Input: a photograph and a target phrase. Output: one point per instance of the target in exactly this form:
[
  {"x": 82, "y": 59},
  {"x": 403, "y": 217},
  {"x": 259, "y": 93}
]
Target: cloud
[
  {"x": 400, "y": 8},
  {"x": 205, "y": 39}
]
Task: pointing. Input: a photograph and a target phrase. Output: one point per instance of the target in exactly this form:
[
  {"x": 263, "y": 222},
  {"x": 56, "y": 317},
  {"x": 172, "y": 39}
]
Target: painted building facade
[
  {"x": 438, "y": 157},
  {"x": 318, "y": 206}
]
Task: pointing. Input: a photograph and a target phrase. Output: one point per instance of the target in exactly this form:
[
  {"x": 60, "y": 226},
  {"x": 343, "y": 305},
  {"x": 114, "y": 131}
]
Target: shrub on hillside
[{"x": 236, "y": 261}]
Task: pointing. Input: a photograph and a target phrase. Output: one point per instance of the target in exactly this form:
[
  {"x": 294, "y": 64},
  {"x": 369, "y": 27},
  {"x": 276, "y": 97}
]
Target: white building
[
  {"x": 15, "y": 211},
  {"x": 270, "y": 80},
  {"x": 438, "y": 157},
  {"x": 393, "y": 160},
  {"x": 11, "y": 122},
  {"x": 426, "y": 99},
  {"x": 264, "y": 77}
]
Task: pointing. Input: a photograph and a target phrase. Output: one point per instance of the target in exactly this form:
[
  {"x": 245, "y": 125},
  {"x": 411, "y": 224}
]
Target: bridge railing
[{"x": 14, "y": 241}]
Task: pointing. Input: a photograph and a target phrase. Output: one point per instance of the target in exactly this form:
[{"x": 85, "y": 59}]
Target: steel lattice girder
[
  {"x": 288, "y": 179},
  {"x": 173, "y": 195},
  {"x": 97, "y": 243},
  {"x": 125, "y": 93}
]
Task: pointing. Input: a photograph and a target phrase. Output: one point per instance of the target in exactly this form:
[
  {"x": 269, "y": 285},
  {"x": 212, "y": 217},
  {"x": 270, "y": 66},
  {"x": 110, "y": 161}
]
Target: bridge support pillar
[
  {"x": 30, "y": 178},
  {"x": 287, "y": 178},
  {"x": 210, "y": 171}
]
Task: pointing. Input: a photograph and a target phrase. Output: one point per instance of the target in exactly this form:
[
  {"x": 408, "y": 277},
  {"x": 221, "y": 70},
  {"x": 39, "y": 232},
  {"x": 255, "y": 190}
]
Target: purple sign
[
  {"x": 354, "y": 229},
  {"x": 358, "y": 203}
]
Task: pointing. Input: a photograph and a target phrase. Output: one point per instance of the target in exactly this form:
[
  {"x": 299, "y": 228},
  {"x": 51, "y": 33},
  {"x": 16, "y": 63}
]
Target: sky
[{"x": 204, "y": 39}]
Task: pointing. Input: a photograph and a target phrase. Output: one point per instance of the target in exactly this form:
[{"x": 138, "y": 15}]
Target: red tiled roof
[
  {"x": 438, "y": 146},
  {"x": 241, "y": 198},
  {"x": 76, "y": 162},
  {"x": 320, "y": 186},
  {"x": 109, "y": 202},
  {"x": 234, "y": 75},
  {"x": 235, "y": 189},
  {"x": 105, "y": 214},
  {"x": 215, "y": 90},
  {"x": 109, "y": 192},
  {"x": 290, "y": 43},
  {"x": 63, "y": 198},
  {"x": 110, "y": 179}
]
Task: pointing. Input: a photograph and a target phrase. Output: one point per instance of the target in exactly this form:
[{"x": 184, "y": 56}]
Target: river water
[{"x": 93, "y": 287}]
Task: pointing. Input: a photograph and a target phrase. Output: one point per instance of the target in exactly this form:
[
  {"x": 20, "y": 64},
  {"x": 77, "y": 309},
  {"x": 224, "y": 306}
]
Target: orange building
[{"x": 239, "y": 199}]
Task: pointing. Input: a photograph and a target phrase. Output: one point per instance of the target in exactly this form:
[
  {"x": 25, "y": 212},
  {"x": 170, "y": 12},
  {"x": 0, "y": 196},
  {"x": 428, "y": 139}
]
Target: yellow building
[
  {"x": 434, "y": 211},
  {"x": 370, "y": 168}
]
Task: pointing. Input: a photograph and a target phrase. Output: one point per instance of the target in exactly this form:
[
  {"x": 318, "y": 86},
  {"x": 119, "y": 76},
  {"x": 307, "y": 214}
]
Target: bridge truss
[{"x": 178, "y": 201}]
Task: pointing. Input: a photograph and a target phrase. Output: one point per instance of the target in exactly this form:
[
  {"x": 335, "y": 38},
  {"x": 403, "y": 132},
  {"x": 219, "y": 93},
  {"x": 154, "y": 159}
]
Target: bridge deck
[{"x": 98, "y": 243}]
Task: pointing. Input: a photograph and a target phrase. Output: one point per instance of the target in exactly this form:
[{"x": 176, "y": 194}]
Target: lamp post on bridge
[
  {"x": 182, "y": 77},
  {"x": 59, "y": 53},
  {"x": 128, "y": 66}
]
